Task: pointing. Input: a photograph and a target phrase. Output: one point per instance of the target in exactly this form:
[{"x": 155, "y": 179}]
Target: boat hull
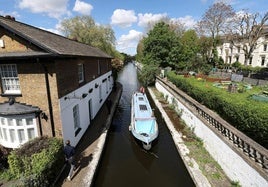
[{"x": 143, "y": 123}]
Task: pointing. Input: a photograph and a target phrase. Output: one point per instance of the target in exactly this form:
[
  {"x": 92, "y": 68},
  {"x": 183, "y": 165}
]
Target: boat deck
[{"x": 142, "y": 108}]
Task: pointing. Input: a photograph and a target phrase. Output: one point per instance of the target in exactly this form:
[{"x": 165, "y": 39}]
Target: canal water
[{"x": 125, "y": 163}]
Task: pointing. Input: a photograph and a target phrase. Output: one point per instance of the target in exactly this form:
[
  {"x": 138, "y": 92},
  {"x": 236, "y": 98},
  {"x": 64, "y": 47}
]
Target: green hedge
[
  {"x": 247, "y": 115},
  {"x": 38, "y": 162}
]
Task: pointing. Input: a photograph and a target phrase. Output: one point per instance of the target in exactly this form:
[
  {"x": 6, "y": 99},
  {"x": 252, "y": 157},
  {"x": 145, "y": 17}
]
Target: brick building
[{"x": 50, "y": 85}]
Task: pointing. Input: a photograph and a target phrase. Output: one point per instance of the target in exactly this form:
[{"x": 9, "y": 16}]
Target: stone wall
[{"x": 236, "y": 167}]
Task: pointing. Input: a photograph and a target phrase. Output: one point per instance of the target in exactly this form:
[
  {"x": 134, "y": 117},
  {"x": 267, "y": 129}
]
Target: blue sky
[{"x": 128, "y": 18}]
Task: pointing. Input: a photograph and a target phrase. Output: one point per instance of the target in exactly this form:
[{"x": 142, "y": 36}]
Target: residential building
[
  {"x": 231, "y": 54},
  {"x": 50, "y": 85}
]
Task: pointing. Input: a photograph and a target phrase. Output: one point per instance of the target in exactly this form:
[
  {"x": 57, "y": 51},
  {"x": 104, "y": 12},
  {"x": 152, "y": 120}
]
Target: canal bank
[
  {"x": 199, "y": 179},
  {"x": 90, "y": 147}
]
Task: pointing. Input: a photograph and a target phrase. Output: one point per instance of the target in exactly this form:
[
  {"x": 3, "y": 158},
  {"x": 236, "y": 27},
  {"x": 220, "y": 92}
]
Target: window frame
[
  {"x": 19, "y": 125},
  {"x": 76, "y": 117},
  {"x": 265, "y": 47},
  {"x": 9, "y": 78},
  {"x": 262, "y": 60},
  {"x": 81, "y": 75}
]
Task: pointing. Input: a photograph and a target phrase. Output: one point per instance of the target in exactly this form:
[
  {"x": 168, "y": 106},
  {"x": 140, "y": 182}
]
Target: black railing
[{"x": 254, "y": 153}]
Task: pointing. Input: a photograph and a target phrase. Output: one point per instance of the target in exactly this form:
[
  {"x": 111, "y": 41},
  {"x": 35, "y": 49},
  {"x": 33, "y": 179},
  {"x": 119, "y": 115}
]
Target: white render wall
[
  {"x": 67, "y": 105},
  {"x": 232, "y": 164},
  {"x": 225, "y": 52}
]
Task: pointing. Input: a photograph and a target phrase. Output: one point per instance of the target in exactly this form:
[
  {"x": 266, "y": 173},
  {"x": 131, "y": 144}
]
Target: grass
[{"x": 241, "y": 94}]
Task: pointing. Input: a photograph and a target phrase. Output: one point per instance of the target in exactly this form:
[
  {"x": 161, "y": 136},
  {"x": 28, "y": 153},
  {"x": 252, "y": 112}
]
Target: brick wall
[
  {"x": 14, "y": 43},
  {"x": 62, "y": 77},
  {"x": 67, "y": 72}
]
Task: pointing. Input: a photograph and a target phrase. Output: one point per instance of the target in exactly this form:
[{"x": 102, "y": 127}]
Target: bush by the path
[
  {"x": 37, "y": 162},
  {"x": 247, "y": 115}
]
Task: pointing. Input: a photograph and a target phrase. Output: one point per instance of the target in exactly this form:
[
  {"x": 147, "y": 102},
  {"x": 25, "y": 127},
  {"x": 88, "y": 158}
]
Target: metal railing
[{"x": 254, "y": 153}]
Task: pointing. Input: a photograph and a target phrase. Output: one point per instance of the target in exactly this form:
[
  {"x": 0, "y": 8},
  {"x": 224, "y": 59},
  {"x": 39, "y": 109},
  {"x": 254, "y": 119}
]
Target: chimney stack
[{"x": 10, "y": 17}]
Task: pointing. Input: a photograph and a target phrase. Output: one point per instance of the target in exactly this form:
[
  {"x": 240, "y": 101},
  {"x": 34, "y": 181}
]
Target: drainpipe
[
  {"x": 49, "y": 101},
  {"x": 40, "y": 125}
]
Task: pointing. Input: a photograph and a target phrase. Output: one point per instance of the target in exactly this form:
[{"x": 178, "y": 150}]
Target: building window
[
  {"x": 30, "y": 133},
  {"x": 81, "y": 77},
  {"x": 76, "y": 117},
  {"x": 21, "y": 135},
  {"x": 264, "y": 47},
  {"x": 10, "y": 79},
  {"x": 16, "y": 131},
  {"x": 262, "y": 60}
]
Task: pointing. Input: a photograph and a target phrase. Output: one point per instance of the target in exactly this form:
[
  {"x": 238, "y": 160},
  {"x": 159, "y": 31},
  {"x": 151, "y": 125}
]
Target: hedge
[
  {"x": 242, "y": 112},
  {"x": 38, "y": 162}
]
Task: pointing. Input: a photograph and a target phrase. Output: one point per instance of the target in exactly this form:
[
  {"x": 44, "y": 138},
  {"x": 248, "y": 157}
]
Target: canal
[{"x": 125, "y": 163}]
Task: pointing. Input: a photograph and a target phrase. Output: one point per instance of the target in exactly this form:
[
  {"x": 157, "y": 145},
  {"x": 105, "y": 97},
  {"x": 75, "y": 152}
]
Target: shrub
[
  {"x": 37, "y": 162},
  {"x": 245, "y": 114}
]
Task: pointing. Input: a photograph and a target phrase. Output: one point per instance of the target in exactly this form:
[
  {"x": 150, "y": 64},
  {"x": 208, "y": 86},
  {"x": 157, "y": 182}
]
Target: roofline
[
  {"x": 26, "y": 37},
  {"x": 40, "y": 45},
  {"x": 49, "y": 56}
]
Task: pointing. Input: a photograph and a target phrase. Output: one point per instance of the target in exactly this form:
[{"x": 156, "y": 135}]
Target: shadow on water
[{"x": 125, "y": 163}]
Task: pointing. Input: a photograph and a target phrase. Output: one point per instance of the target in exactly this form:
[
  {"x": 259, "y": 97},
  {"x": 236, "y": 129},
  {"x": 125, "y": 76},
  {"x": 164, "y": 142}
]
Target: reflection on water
[{"x": 125, "y": 162}]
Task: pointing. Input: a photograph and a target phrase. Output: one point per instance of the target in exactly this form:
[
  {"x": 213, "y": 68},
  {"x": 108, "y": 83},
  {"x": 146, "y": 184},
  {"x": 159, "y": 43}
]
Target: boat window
[
  {"x": 143, "y": 107},
  {"x": 140, "y": 98}
]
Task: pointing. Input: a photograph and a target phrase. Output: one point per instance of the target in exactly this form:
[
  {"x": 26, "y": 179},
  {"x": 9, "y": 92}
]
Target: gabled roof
[{"x": 51, "y": 43}]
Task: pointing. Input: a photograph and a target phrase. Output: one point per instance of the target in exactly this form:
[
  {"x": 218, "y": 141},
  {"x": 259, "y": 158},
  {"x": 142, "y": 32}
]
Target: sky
[{"x": 127, "y": 18}]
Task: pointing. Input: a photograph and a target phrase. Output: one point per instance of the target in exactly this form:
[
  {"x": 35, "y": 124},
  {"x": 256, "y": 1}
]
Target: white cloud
[
  {"x": 123, "y": 18},
  {"x": 56, "y": 30},
  {"x": 82, "y": 7},
  {"x": 128, "y": 43},
  {"x": 145, "y": 19},
  {"x": 53, "y": 8},
  {"x": 187, "y": 21}
]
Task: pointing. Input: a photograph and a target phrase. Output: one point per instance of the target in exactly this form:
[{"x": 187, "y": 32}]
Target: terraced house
[
  {"x": 50, "y": 85},
  {"x": 259, "y": 57}
]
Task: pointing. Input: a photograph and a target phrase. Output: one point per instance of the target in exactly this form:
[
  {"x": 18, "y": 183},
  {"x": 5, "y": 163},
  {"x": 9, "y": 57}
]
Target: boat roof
[{"x": 142, "y": 107}]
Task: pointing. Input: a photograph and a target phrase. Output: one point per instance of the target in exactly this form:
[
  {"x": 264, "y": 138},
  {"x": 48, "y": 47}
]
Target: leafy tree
[
  {"x": 148, "y": 74},
  {"x": 246, "y": 31},
  {"x": 205, "y": 45},
  {"x": 159, "y": 44},
  {"x": 190, "y": 48},
  {"x": 117, "y": 65},
  {"x": 85, "y": 30},
  {"x": 215, "y": 21},
  {"x": 140, "y": 48},
  {"x": 127, "y": 58}
]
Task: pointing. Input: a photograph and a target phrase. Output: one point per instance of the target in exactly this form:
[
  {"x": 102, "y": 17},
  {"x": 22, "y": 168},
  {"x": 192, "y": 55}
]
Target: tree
[
  {"x": 216, "y": 21},
  {"x": 139, "y": 49},
  {"x": 159, "y": 44},
  {"x": 246, "y": 32},
  {"x": 84, "y": 29},
  {"x": 148, "y": 74},
  {"x": 189, "y": 41}
]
